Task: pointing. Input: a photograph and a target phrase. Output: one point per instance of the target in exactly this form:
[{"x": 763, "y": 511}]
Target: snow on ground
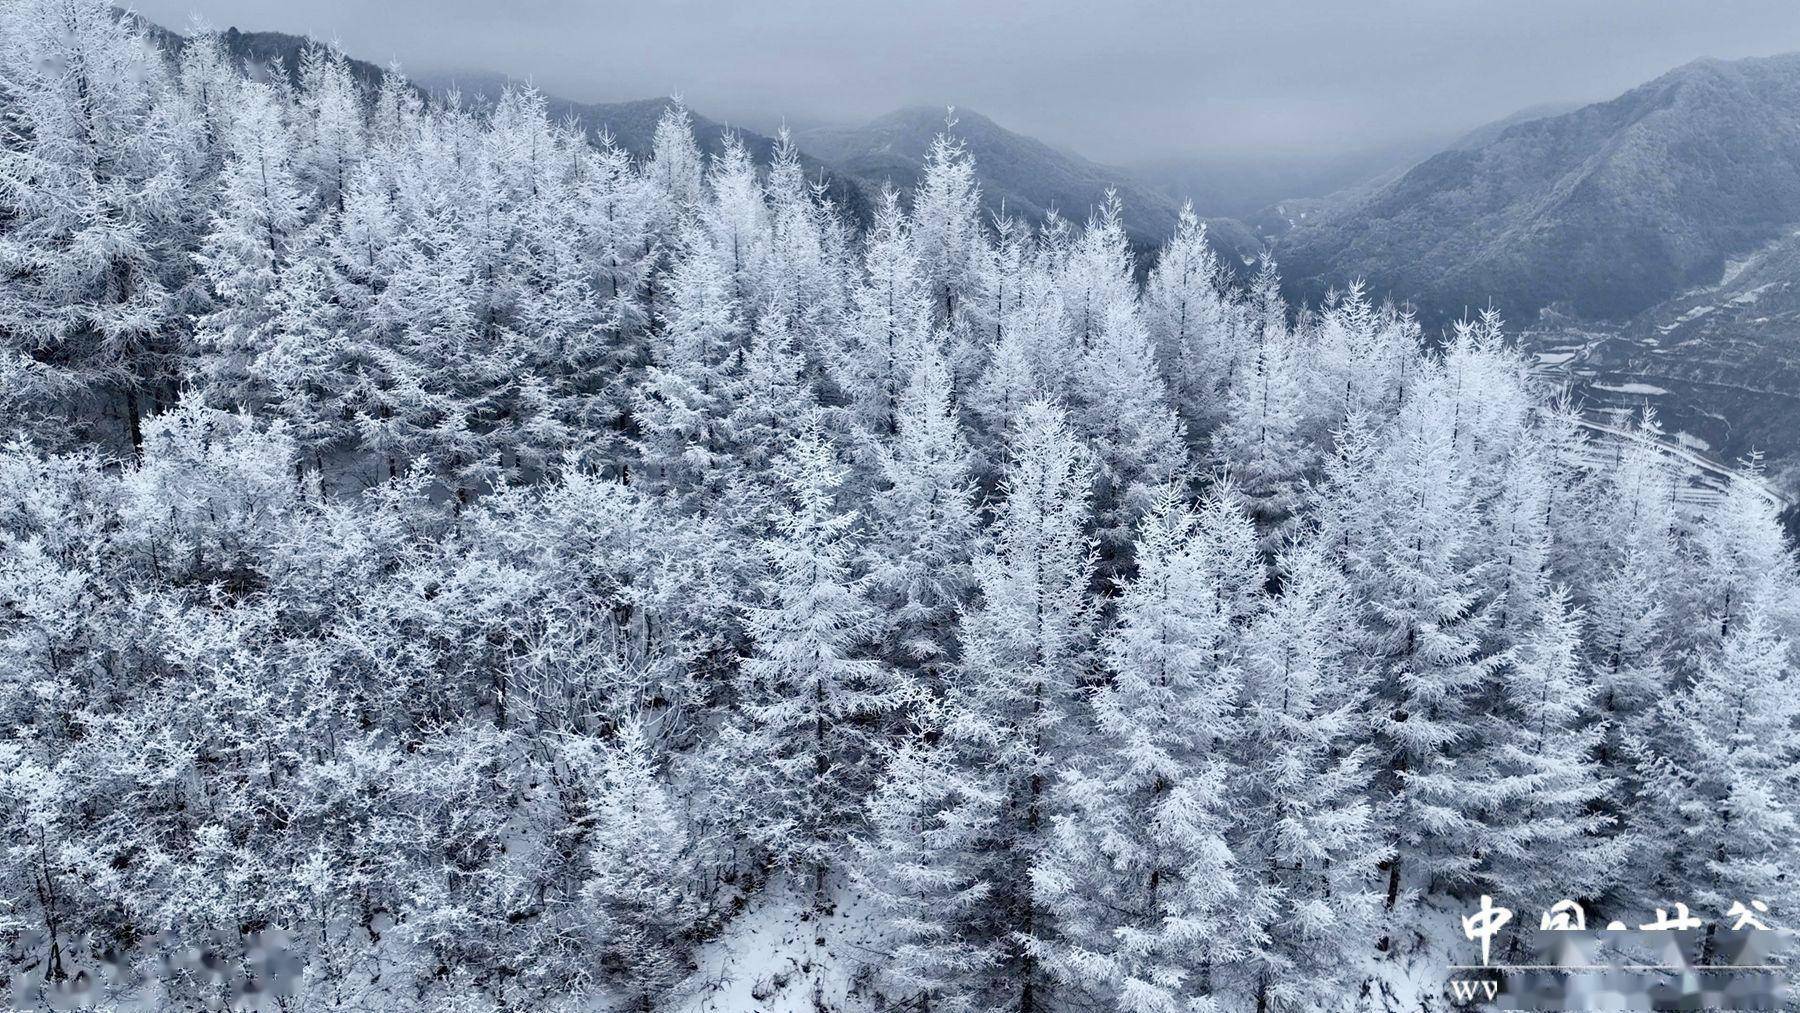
[
  {"x": 1746, "y": 298},
  {"x": 776, "y": 958},
  {"x": 1735, "y": 269},
  {"x": 1630, "y": 388}
]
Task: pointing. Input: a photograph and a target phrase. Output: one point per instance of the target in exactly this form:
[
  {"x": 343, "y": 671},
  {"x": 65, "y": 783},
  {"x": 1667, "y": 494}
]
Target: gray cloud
[{"x": 1117, "y": 81}]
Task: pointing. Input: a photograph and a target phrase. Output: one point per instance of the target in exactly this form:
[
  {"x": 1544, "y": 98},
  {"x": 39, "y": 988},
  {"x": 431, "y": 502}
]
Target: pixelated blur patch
[
  {"x": 1631, "y": 969},
  {"x": 254, "y": 971}
]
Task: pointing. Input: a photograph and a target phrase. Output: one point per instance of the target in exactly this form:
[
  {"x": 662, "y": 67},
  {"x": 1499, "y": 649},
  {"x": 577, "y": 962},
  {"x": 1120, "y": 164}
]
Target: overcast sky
[{"x": 1117, "y": 81}]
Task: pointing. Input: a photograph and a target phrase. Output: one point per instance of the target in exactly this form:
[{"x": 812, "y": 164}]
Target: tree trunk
[{"x": 135, "y": 424}]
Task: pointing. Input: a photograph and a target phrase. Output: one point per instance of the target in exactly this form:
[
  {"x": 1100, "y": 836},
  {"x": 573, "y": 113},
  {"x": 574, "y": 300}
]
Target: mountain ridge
[
  {"x": 1604, "y": 210},
  {"x": 1022, "y": 174},
  {"x": 1018, "y": 173}
]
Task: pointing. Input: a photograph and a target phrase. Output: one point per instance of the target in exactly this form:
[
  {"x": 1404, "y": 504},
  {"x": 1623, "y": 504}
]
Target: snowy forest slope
[{"x": 532, "y": 575}]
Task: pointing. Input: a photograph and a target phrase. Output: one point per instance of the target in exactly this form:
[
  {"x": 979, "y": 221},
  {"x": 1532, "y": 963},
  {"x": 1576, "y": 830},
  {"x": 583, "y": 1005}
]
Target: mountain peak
[{"x": 955, "y": 119}]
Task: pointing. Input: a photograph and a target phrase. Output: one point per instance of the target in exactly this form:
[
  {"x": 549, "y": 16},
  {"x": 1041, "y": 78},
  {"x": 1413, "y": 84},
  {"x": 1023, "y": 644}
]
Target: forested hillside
[
  {"x": 536, "y": 577},
  {"x": 1601, "y": 212}
]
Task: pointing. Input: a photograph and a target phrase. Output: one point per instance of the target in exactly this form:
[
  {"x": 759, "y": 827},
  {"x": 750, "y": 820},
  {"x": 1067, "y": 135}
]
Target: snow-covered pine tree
[
  {"x": 678, "y": 406},
  {"x": 733, "y": 222},
  {"x": 1096, "y": 274},
  {"x": 331, "y": 127},
  {"x": 771, "y": 401},
  {"x": 891, "y": 320},
  {"x": 1364, "y": 353},
  {"x": 1544, "y": 836},
  {"x": 806, "y": 266},
  {"x": 1717, "y": 763},
  {"x": 1267, "y": 311},
  {"x": 924, "y": 521},
  {"x": 1137, "y": 872},
  {"x": 86, "y": 196},
  {"x": 1260, "y": 438},
  {"x": 674, "y": 163},
  {"x": 947, "y": 227},
  {"x": 929, "y": 824},
  {"x": 1029, "y": 356},
  {"x": 209, "y": 82},
  {"x": 434, "y": 345},
  {"x": 1429, "y": 622},
  {"x": 641, "y": 862},
  {"x": 1125, "y": 415},
  {"x": 807, "y": 700},
  {"x": 1027, "y": 643},
  {"x": 1516, "y": 538},
  {"x": 1630, "y": 589},
  {"x": 262, "y": 209},
  {"x": 768, "y": 405},
  {"x": 617, "y": 210},
  {"x": 399, "y": 113},
  {"x": 1192, "y": 321},
  {"x": 1304, "y": 832},
  {"x": 1491, "y": 395},
  {"x": 1740, "y": 543},
  {"x": 1572, "y": 490},
  {"x": 307, "y": 374}
]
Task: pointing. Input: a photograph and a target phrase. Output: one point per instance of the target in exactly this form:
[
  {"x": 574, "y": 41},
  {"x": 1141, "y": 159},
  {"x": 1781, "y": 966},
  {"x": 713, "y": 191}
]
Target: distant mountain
[
  {"x": 259, "y": 53},
  {"x": 1026, "y": 176},
  {"x": 1303, "y": 206},
  {"x": 1600, "y": 213},
  {"x": 1267, "y": 190}
]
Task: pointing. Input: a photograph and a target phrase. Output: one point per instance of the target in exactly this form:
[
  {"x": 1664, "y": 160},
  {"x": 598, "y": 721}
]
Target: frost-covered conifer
[
  {"x": 1304, "y": 834},
  {"x": 1125, "y": 414},
  {"x": 674, "y": 163},
  {"x": 1026, "y": 642},
  {"x": 252, "y": 241},
  {"x": 891, "y": 322},
  {"x": 1138, "y": 874},
  {"x": 947, "y": 227},
  {"x": 920, "y": 863},
  {"x": 807, "y": 697},
  {"x": 1261, "y": 439},
  {"x": 88, "y": 199},
  {"x": 1717, "y": 761},
  {"x": 1192, "y": 320},
  {"x": 642, "y": 862},
  {"x": 925, "y": 521},
  {"x": 333, "y": 134}
]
